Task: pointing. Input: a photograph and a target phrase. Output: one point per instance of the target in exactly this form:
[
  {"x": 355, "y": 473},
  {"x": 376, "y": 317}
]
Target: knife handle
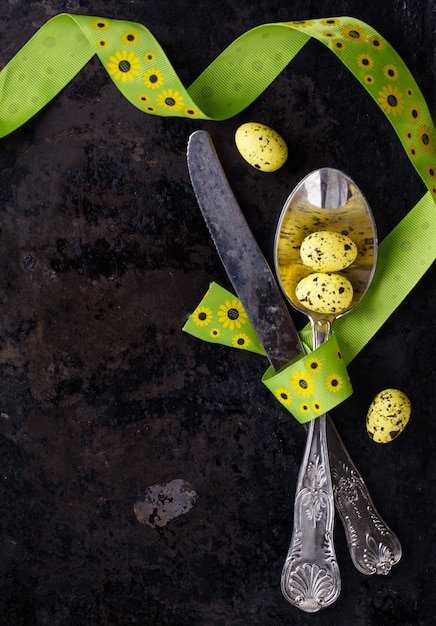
[{"x": 374, "y": 547}]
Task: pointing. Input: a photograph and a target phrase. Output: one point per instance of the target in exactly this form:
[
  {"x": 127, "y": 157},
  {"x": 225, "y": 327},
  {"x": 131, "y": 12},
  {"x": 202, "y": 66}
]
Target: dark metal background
[{"x": 103, "y": 254}]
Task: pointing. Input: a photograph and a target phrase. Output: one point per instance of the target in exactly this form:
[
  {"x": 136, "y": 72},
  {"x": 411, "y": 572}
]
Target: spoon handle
[
  {"x": 310, "y": 577},
  {"x": 373, "y": 546}
]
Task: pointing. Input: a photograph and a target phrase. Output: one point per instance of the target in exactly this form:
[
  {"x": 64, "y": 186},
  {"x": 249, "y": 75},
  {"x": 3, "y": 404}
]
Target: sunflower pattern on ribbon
[
  {"x": 138, "y": 66},
  {"x": 307, "y": 388},
  {"x": 221, "y": 318},
  {"x": 312, "y": 385}
]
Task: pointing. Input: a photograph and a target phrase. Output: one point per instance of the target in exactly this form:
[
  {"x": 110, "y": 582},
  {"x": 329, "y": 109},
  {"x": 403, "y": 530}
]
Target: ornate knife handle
[
  {"x": 310, "y": 577},
  {"x": 374, "y": 547}
]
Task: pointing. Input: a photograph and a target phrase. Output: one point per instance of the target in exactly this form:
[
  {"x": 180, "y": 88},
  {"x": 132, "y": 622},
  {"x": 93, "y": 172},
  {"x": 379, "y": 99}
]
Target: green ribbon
[
  {"x": 308, "y": 387},
  {"x": 220, "y": 318},
  {"x": 142, "y": 72},
  {"x": 314, "y": 384}
]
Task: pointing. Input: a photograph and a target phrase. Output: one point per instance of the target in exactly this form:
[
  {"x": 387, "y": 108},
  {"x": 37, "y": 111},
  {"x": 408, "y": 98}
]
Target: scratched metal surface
[{"x": 146, "y": 477}]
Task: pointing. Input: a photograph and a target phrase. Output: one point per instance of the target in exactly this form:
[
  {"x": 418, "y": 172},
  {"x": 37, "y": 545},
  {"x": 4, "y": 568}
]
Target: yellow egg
[
  {"x": 291, "y": 275},
  {"x": 261, "y": 146},
  {"x": 327, "y": 251},
  {"x": 388, "y": 415},
  {"x": 325, "y": 293}
]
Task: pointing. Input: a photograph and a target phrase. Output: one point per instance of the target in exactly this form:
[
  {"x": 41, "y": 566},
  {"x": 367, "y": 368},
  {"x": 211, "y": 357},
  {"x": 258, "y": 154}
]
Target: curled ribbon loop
[{"x": 140, "y": 69}]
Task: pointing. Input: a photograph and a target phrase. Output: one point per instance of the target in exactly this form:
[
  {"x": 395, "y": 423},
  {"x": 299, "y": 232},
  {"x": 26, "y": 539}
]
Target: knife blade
[{"x": 246, "y": 266}]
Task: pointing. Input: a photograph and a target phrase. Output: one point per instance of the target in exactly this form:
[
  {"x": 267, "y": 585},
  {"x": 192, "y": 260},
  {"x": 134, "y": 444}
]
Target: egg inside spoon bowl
[{"x": 326, "y": 205}]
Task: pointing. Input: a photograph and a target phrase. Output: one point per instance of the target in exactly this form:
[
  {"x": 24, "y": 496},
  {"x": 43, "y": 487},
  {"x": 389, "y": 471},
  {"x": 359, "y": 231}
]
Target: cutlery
[{"x": 374, "y": 548}]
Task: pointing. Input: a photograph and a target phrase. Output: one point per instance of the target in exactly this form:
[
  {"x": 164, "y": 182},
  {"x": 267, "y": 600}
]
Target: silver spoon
[{"x": 326, "y": 200}]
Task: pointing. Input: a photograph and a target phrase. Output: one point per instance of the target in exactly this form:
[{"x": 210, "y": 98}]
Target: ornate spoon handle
[
  {"x": 374, "y": 547},
  {"x": 310, "y": 576}
]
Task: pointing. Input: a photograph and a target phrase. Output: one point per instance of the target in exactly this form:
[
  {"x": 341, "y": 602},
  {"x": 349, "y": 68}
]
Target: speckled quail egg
[
  {"x": 325, "y": 293},
  {"x": 261, "y": 146},
  {"x": 388, "y": 415},
  {"x": 327, "y": 251}
]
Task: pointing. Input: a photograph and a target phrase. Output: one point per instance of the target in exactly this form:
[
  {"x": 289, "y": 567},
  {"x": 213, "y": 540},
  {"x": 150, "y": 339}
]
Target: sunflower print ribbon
[
  {"x": 307, "y": 388},
  {"x": 220, "y": 318}
]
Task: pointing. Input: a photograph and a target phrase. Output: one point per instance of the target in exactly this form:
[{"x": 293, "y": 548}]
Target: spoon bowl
[{"x": 326, "y": 200}]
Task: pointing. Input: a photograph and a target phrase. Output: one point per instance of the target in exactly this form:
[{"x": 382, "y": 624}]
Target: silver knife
[{"x": 374, "y": 548}]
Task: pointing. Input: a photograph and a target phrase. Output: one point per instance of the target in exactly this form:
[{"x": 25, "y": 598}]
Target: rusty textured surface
[{"x": 146, "y": 477}]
